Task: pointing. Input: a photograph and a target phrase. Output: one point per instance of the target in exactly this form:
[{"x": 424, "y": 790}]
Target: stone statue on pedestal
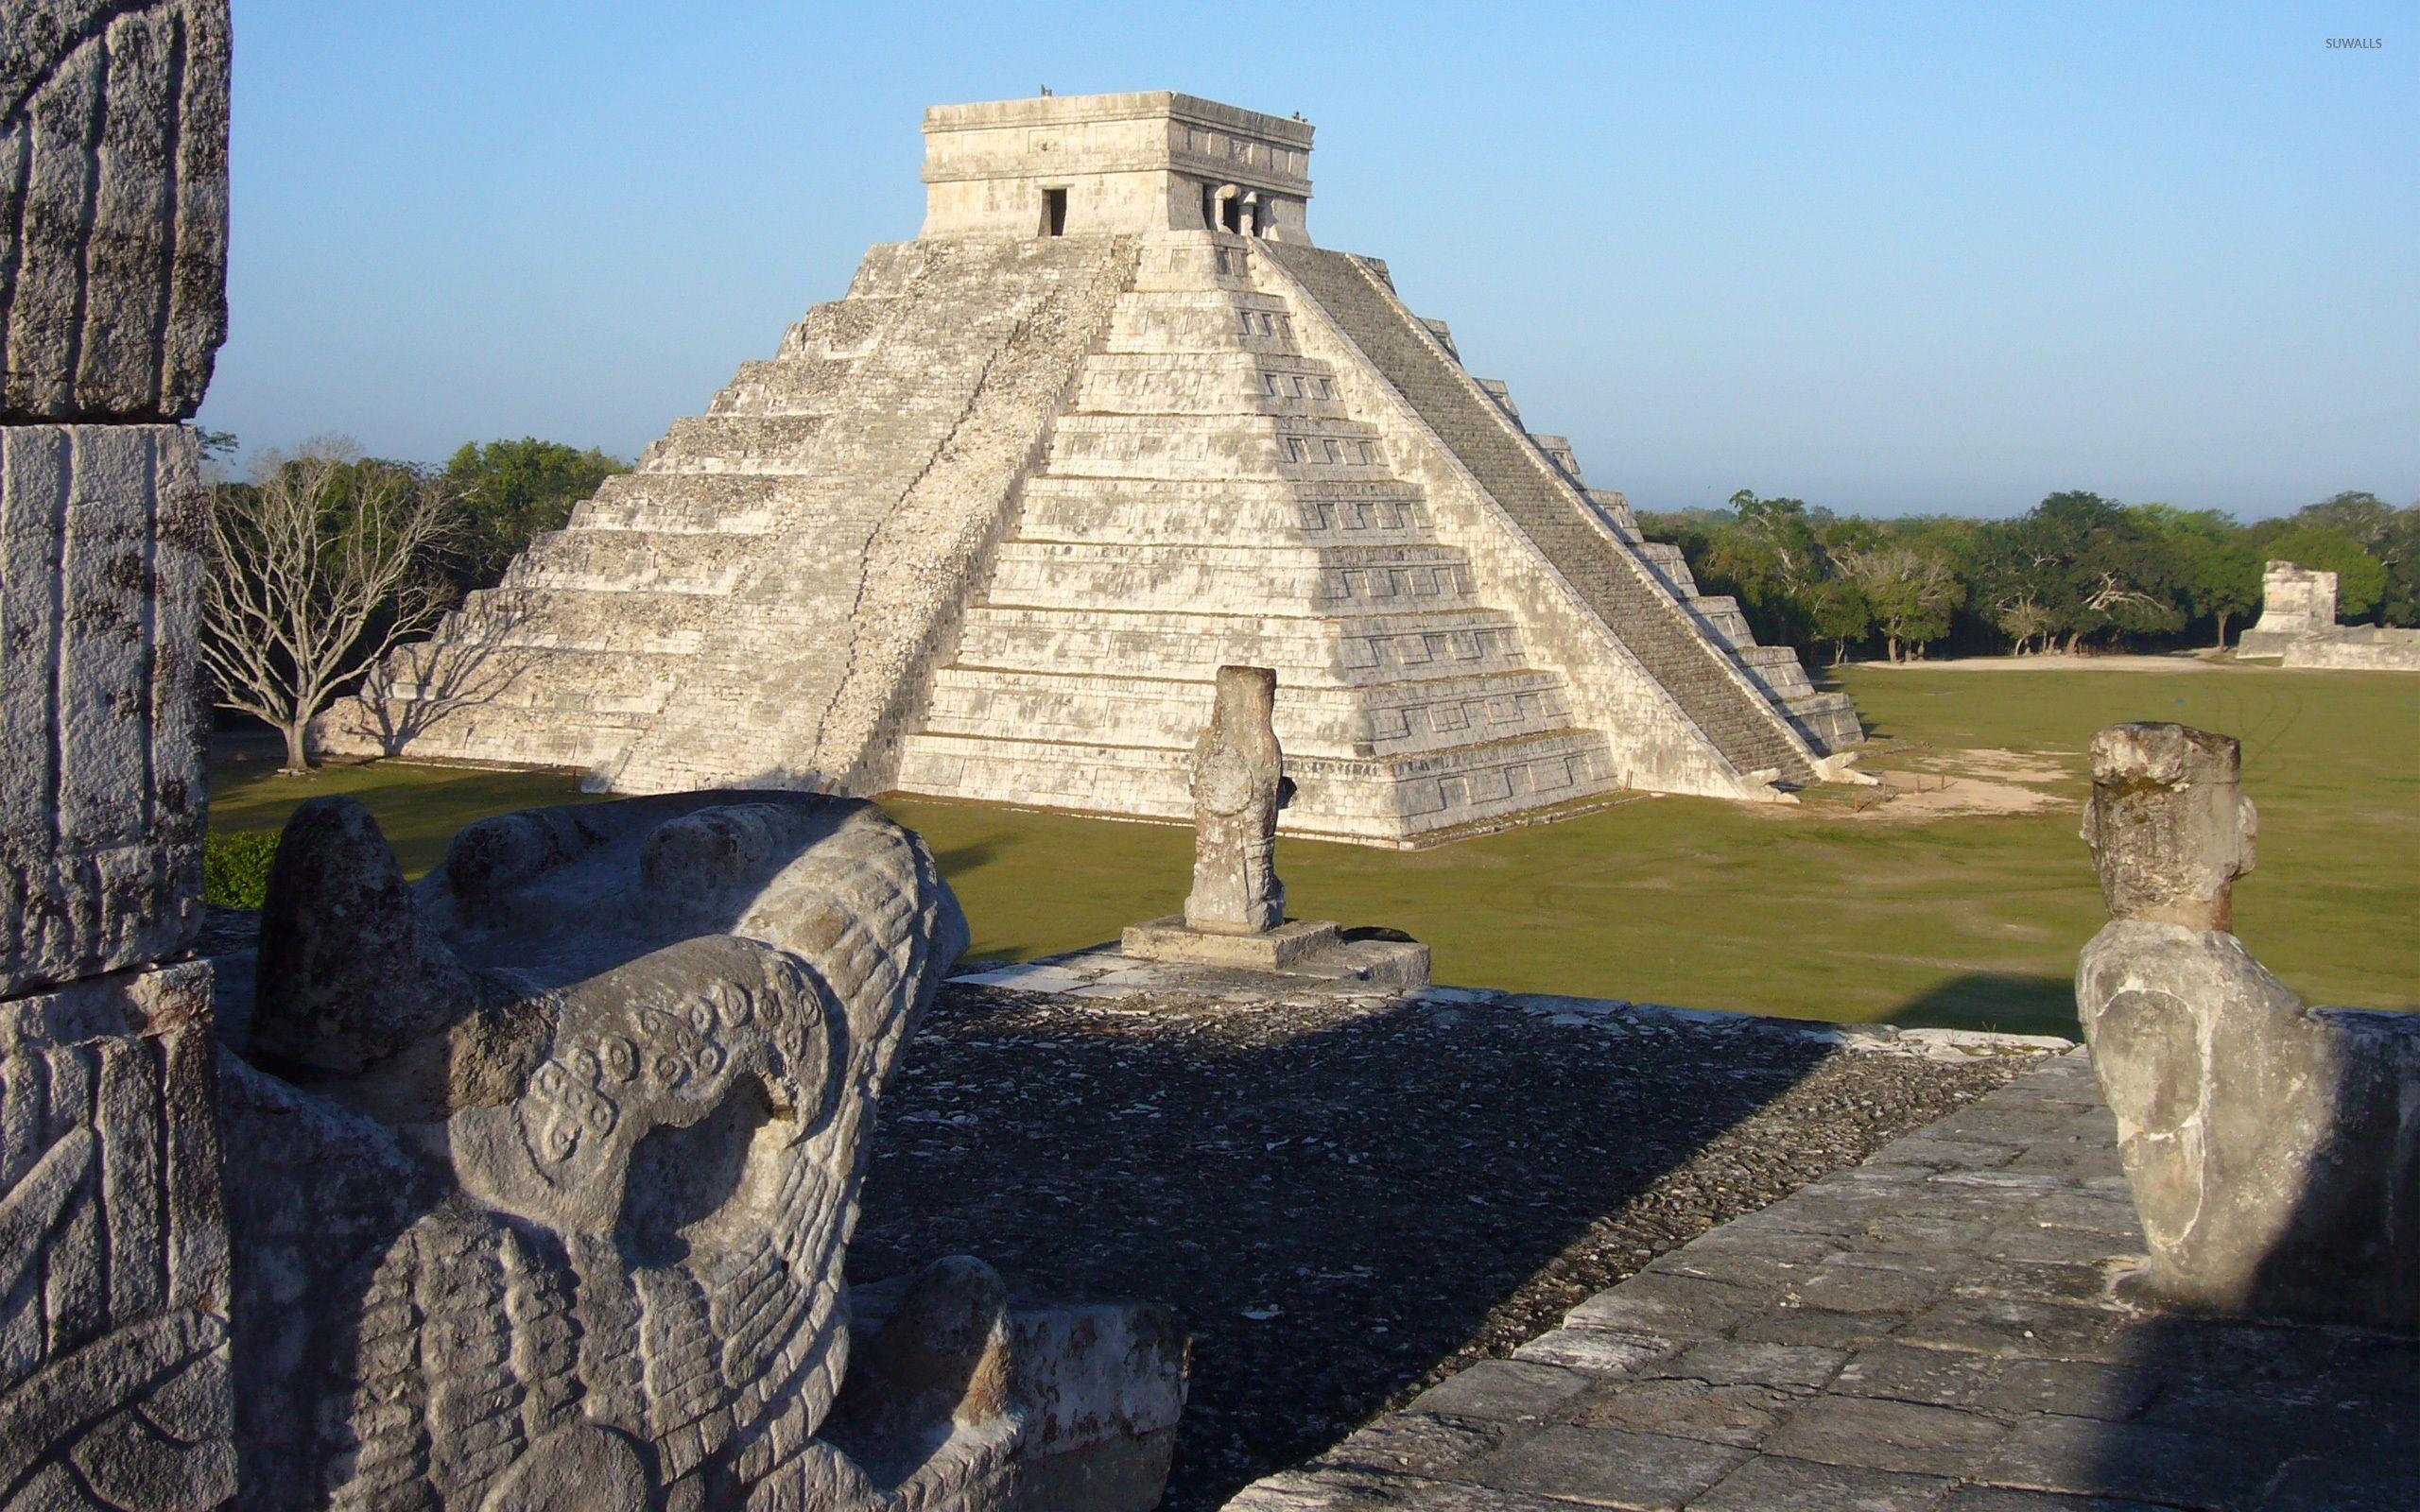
[
  {"x": 2272, "y": 1163},
  {"x": 1239, "y": 787},
  {"x": 1235, "y": 918}
]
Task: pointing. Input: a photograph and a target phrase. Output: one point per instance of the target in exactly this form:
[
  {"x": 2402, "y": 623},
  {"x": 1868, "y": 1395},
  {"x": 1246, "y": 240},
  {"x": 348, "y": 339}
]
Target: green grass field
[{"x": 1817, "y": 911}]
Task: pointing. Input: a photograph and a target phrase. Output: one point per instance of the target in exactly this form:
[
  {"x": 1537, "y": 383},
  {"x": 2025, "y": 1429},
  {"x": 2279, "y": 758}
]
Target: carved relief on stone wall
[
  {"x": 101, "y": 800},
  {"x": 113, "y": 1361},
  {"x": 113, "y": 206}
]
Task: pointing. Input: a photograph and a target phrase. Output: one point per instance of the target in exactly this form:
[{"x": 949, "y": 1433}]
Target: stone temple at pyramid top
[
  {"x": 1114, "y": 164},
  {"x": 985, "y": 527}
]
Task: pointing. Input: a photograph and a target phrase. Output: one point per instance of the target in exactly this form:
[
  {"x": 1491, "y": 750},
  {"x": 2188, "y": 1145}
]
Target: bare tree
[{"x": 317, "y": 567}]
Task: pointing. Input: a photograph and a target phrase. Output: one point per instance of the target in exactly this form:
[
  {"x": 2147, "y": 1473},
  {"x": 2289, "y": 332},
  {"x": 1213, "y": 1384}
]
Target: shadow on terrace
[{"x": 1342, "y": 1207}]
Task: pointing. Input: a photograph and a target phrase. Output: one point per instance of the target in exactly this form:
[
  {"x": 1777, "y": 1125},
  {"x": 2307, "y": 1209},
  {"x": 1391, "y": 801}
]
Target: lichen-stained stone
[
  {"x": 101, "y": 774},
  {"x": 2273, "y": 1160},
  {"x": 113, "y": 1267},
  {"x": 113, "y": 206},
  {"x": 541, "y": 1197}
]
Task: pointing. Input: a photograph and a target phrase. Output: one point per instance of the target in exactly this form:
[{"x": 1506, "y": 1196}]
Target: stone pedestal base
[{"x": 1314, "y": 948}]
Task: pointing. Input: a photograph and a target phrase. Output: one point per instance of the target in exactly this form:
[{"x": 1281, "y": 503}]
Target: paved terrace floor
[{"x": 1934, "y": 1329}]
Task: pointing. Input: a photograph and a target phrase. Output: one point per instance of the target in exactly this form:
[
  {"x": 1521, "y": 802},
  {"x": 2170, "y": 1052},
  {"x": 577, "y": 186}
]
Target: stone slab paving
[{"x": 1936, "y": 1328}]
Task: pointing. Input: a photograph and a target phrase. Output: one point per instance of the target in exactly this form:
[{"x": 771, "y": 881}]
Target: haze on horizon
[{"x": 1889, "y": 260}]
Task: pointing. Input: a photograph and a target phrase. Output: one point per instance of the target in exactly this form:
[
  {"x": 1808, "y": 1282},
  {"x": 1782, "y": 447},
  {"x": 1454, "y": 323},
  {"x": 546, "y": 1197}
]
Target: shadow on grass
[
  {"x": 1334, "y": 1212},
  {"x": 1996, "y": 1002}
]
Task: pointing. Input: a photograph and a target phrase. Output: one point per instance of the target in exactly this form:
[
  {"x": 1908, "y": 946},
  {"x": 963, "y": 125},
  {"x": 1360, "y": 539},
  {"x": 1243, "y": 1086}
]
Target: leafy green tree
[
  {"x": 1836, "y": 612},
  {"x": 2360, "y": 578},
  {"x": 2217, "y": 568},
  {"x": 510, "y": 493},
  {"x": 2088, "y": 563},
  {"x": 1911, "y": 591}
]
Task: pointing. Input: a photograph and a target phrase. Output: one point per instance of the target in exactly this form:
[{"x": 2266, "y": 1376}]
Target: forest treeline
[
  {"x": 323, "y": 559},
  {"x": 2077, "y": 571}
]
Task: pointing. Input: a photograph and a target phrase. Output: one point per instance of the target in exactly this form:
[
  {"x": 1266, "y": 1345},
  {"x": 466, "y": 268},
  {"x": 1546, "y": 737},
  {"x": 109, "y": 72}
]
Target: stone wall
[
  {"x": 113, "y": 1276},
  {"x": 113, "y": 206},
  {"x": 101, "y": 792}
]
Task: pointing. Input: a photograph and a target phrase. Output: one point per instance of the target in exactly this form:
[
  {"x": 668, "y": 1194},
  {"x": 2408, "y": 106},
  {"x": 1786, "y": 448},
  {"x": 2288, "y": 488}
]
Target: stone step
[
  {"x": 1312, "y": 720},
  {"x": 1194, "y": 383},
  {"x": 1720, "y": 614},
  {"x": 1680, "y": 651},
  {"x": 844, "y": 328},
  {"x": 1223, "y": 326},
  {"x": 736, "y": 443},
  {"x": 1237, "y": 579},
  {"x": 622, "y": 560},
  {"x": 680, "y": 502},
  {"x": 785, "y": 385},
  {"x": 1152, "y": 511},
  {"x": 479, "y": 732},
  {"x": 1356, "y": 648},
  {"x": 1155, "y": 446},
  {"x": 1828, "y": 720},
  {"x": 1671, "y": 566},
  {"x": 1155, "y": 511},
  {"x": 1383, "y": 800},
  {"x": 572, "y": 684},
  {"x": 583, "y": 619}
]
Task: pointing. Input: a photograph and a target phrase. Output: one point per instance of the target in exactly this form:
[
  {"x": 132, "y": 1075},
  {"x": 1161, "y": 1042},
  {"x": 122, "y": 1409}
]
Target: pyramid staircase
[
  {"x": 1690, "y": 651},
  {"x": 1207, "y": 500}
]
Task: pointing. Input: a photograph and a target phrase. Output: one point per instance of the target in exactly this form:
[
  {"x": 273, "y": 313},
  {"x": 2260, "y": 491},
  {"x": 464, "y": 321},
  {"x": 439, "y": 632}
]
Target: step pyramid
[{"x": 985, "y": 527}]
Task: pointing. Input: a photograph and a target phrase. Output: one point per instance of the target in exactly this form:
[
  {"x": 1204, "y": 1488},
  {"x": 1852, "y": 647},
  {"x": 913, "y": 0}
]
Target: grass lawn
[{"x": 1818, "y": 911}]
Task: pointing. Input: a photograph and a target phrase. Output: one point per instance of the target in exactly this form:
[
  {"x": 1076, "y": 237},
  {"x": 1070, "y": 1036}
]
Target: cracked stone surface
[{"x": 1935, "y": 1330}]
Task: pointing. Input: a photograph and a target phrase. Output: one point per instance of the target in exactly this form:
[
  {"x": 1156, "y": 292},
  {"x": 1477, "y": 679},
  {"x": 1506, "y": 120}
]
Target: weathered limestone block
[
  {"x": 542, "y": 1193},
  {"x": 1239, "y": 787},
  {"x": 101, "y": 775},
  {"x": 113, "y": 1276},
  {"x": 113, "y": 206},
  {"x": 2274, "y": 1163}
]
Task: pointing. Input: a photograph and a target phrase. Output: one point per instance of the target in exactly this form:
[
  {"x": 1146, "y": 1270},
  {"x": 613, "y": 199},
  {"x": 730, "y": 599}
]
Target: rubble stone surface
[
  {"x": 112, "y": 207},
  {"x": 2270, "y": 1146}
]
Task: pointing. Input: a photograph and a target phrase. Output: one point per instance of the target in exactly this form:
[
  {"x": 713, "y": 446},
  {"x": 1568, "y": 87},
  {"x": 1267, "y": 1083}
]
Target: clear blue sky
[{"x": 1944, "y": 257}]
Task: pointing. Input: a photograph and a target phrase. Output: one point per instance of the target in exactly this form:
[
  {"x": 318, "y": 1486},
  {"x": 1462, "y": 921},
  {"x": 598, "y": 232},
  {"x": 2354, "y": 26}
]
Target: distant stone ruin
[
  {"x": 2270, "y": 1147},
  {"x": 2298, "y": 626},
  {"x": 985, "y": 527}
]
